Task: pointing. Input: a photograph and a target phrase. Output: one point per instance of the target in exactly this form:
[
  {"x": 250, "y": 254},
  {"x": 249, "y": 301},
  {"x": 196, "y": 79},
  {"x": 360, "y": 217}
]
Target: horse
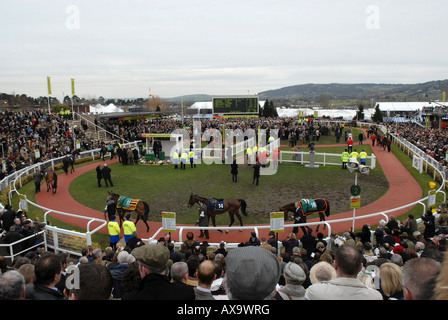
[
  {"x": 103, "y": 151},
  {"x": 69, "y": 160},
  {"x": 218, "y": 206},
  {"x": 140, "y": 207},
  {"x": 51, "y": 178},
  {"x": 322, "y": 208}
]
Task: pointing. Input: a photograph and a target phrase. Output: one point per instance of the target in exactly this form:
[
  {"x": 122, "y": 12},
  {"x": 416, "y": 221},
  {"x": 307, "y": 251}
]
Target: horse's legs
[
  {"x": 147, "y": 227},
  {"x": 322, "y": 218},
  {"x": 232, "y": 218},
  {"x": 214, "y": 221}
]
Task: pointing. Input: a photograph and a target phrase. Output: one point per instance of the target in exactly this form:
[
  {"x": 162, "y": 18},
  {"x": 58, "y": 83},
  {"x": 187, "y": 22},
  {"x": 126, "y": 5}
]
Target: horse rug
[
  {"x": 126, "y": 203},
  {"x": 308, "y": 206},
  {"x": 216, "y": 204}
]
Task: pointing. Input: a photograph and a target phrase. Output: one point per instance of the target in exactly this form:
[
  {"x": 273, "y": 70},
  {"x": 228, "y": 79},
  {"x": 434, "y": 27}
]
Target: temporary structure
[{"x": 100, "y": 109}]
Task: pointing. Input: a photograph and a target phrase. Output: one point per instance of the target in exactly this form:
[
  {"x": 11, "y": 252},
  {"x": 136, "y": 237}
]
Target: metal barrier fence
[
  {"x": 56, "y": 231},
  {"x": 323, "y": 158}
]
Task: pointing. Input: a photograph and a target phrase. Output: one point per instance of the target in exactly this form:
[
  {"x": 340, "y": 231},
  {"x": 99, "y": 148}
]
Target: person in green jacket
[
  {"x": 128, "y": 228},
  {"x": 363, "y": 157},
  {"x": 114, "y": 232},
  {"x": 345, "y": 157},
  {"x": 191, "y": 155}
]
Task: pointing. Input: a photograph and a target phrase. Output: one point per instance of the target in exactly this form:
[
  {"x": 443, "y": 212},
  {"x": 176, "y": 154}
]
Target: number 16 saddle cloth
[{"x": 126, "y": 203}]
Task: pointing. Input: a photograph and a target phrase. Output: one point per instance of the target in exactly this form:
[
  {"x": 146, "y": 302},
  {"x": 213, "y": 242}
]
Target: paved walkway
[{"x": 403, "y": 189}]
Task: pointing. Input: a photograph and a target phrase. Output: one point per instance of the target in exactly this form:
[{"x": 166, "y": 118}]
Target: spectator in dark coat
[
  {"x": 106, "y": 175},
  {"x": 153, "y": 267},
  {"x": 8, "y": 217},
  {"x": 99, "y": 175},
  {"x": 290, "y": 243},
  {"x": 47, "y": 272},
  {"x": 309, "y": 242}
]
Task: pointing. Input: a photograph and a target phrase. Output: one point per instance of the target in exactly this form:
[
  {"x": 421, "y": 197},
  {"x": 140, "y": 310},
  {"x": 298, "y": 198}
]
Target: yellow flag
[
  {"x": 73, "y": 87},
  {"x": 49, "y": 85}
]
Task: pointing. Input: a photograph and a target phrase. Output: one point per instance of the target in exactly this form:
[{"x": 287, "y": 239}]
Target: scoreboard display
[{"x": 235, "y": 104}]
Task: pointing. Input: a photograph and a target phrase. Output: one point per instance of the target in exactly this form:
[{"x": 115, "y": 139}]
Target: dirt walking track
[{"x": 403, "y": 189}]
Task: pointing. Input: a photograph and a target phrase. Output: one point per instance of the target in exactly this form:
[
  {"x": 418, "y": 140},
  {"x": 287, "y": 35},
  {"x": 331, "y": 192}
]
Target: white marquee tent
[
  {"x": 100, "y": 109},
  {"x": 404, "y": 106},
  {"x": 331, "y": 113}
]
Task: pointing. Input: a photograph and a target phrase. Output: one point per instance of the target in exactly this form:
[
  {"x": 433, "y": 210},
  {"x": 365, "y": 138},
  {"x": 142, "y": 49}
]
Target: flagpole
[
  {"x": 49, "y": 93},
  {"x": 73, "y": 113},
  {"x": 73, "y": 94}
]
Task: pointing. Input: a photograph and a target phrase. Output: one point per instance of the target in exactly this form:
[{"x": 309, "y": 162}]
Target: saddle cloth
[
  {"x": 127, "y": 203},
  {"x": 216, "y": 204},
  {"x": 308, "y": 205}
]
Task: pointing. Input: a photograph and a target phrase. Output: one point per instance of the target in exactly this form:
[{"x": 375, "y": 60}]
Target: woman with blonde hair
[
  {"x": 391, "y": 282},
  {"x": 290, "y": 243}
]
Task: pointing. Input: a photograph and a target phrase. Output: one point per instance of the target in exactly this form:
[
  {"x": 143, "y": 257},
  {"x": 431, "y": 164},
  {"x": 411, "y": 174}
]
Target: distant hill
[
  {"x": 361, "y": 91},
  {"x": 189, "y": 98}
]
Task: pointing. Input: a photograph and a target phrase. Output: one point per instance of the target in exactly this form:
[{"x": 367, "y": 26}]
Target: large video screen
[{"x": 235, "y": 104}]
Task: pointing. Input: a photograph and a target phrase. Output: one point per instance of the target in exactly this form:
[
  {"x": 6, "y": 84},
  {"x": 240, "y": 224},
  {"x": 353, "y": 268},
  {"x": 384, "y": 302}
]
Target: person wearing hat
[
  {"x": 322, "y": 271},
  {"x": 294, "y": 277},
  {"x": 321, "y": 249},
  {"x": 153, "y": 265},
  {"x": 114, "y": 232},
  {"x": 273, "y": 240},
  {"x": 252, "y": 273}
]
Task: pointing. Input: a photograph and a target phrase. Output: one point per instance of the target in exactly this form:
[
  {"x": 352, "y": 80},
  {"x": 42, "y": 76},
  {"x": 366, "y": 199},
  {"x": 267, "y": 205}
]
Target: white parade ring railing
[
  {"x": 255, "y": 228},
  {"x": 53, "y": 229}
]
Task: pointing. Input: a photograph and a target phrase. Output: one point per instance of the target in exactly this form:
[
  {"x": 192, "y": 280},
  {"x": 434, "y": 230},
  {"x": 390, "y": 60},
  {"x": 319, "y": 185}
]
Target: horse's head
[
  {"x": 191, "y": 201},
  {"x": 112, "y": 196}
]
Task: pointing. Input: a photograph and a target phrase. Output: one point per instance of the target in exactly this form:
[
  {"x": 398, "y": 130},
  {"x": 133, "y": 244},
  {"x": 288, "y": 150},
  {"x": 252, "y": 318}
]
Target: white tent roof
[
  {"x": 404, "y": 106},
  {"x": 209, "y": 105},
  {"x": 202, "y": 105},
  {"x": 332, "y": 113},
  {"x": 105, "y": 109}
]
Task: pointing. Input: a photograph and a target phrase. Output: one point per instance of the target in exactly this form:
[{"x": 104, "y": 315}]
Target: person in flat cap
[
  {"x": 252, "y": 273},
  {"x": 153, "y": 265},
  {"x": 294, "y": 276}
]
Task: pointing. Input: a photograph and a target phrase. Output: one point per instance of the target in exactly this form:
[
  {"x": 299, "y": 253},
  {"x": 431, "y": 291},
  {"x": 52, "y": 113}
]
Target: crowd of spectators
[
  {"x": 31, "y": 136},
  {"x": 432, "y": 141},
  {"x": 392, "y": 262}
]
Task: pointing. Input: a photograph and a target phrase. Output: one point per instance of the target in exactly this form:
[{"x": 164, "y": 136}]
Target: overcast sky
[{"x": 123, "y": 49}]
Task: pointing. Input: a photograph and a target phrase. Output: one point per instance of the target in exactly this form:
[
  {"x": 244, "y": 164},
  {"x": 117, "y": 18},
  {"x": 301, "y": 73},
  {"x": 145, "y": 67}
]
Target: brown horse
[
  {"x": 140, "y": 207},
  {"x": 300, "y": 213},
  {"x": 51, "y": 178},
  {"x": 218, "y": 206}
]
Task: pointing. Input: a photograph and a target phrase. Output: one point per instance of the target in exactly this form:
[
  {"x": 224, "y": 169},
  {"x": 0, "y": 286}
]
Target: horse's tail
[
  {"x": 243, "y": 206},
  {"x": 327, "y": 211},
  {"x": 55, "y": 180},
  {"x": 146, "y": 213}
]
